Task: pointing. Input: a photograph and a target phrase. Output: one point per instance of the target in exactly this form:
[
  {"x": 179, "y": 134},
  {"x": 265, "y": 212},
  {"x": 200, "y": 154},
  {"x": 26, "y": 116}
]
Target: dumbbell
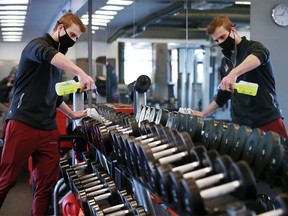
[
  {"x": 108, "y": 189},
  {"x": 176, "y": 152},
  {"x": 239, "y": 141},
  {"x": 163, "y": 136},
  {"x": 251, "y": 146},
  {"x": 242, "y": 185},
  {"x": 281, "y": 209},
  {"x": 228, "y": 138},
  {"x": 215, "y": 171},
  {"x": 209, "y": 127},
  {"x": 264, "y": 151},
  {"x": 174, "y": 119},
  {"x": 127, "y": 207},
  {"x": 217, "y": 135},
  {"x": 195, "y": 128},
  {"x": 123, "y": 144},
  {"x": 162, "y": 116},
  {"x": 198, "y": 158}
]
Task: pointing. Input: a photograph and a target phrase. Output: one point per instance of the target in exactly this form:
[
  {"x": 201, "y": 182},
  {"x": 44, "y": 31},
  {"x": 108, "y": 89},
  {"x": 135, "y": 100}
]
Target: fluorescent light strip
[
  {"x": 106, "y": 12},
  {"x": 13, "y": 7},
  {"x": 112, "y": 7},
  {"x": 12, "y": 17},
  {"x": 12, "y": 24},
  {"x": 118, "y": 2},
  {"x": 11, "y": 29},
  {"x": 97, "y": 20},
  {"x": 12, "y": 21},
  {"x": 243, "y": 2},
  {"x": 12, "y": 36},
  {"x": 13, "y": 12},
  {"x": 98, "y": 23},
  {"x": 14, "y": 1},
  {"x": 96, "y": 16},
  {"x": 12, "y": 33}
]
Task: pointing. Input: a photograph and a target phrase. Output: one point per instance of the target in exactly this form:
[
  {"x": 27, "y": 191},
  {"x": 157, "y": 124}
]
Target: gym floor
[{"x": 19, "y": 199}]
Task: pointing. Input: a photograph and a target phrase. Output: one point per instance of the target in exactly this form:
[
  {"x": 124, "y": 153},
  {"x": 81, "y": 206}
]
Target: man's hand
[
  {"x": 87, "y": 82},
  {"x": 227, "y": 83},
  {"x": 78, "y": 114}
]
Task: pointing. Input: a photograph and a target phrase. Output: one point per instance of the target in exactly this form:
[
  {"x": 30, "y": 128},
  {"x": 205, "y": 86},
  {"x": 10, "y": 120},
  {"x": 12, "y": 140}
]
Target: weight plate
[
  {"x": 274, "y": 167},
  {"x": 152, "y": 114},
  {"x": 251, "y": 146},
  {"x": 171, "y": 119},
  {"x": 195, "y": 125},
  {"x": 264, "y": 151},
  {"x": 208, "y": 131},
  {"x": 147, "y": 113},
  {"x": 228, "y": 138},
  {"x": 238, "y": 143},
  {"x": 217, "y": 136},
  {"x": 241, "y": 172},
  {"x": 162, "y": 116}
]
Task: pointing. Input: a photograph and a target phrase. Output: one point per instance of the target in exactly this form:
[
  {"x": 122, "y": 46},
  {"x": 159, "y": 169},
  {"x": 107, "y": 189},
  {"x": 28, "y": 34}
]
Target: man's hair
[
  {"x": 217, "y": 22},
  {"x": 101, "y": 60},
  {"x": 68, "y": 19}
]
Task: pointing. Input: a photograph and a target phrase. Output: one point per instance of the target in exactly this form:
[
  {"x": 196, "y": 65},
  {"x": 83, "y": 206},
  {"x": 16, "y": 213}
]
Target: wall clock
[{"x": 280, "y": 14}]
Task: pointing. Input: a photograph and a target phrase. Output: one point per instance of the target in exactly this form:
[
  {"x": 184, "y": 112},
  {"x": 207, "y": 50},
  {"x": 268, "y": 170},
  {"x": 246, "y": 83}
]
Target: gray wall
[{"x": 275, "y": 38}]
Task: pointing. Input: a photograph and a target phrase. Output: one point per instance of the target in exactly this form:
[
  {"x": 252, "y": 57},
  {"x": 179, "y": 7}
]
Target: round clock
[{"x": 280, "y": 14}]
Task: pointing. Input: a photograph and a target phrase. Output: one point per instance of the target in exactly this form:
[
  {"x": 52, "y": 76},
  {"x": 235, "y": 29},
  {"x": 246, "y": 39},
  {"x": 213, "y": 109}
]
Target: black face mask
[
  {"x": 65, "y": 42},
  {"x": 228, "y": 44}
]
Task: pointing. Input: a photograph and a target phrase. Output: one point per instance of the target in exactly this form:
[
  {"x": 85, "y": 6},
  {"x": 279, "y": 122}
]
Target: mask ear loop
[{"x": 59, "y": 44}]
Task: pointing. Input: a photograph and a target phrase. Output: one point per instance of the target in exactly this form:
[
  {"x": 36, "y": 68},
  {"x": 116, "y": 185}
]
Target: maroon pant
[
  {"x": 276, "y": 126},
  {"x": 21, "y": 141}
]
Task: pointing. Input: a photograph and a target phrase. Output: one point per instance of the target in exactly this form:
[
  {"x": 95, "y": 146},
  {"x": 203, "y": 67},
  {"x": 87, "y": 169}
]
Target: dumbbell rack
[{"x": 104, "y": 151}]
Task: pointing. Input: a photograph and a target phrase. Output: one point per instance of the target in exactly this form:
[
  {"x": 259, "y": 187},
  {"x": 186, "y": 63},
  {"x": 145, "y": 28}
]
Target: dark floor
[{"x": 19, "y": 200}]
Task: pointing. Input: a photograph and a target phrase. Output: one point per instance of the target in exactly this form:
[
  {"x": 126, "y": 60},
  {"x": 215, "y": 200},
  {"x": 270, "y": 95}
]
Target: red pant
[
  {"x": 276, "y": 126},
  {"x": 21, "y": 141}
]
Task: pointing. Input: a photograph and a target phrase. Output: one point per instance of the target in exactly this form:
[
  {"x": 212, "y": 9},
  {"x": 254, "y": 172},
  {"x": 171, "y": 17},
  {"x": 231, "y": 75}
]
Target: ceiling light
[
  {"x": 13, "y": 12},
  {"x": 97, "y": 16},
  {"x": 14, "y": 2},
  {"x": 13, "y": 7},
  {"x": 106, "y": 12},
  {"x": 12, "y": 24},
  {"x": 12, "y": 21},
  {"x": 12, "y": 33},
  {"x": 12, "y": 17},
  {"x": 119, "y": 2},
  {"x": 112, "y": 7},
  {"x": 243, "y": 2},
  {"x": 11, "y": 29}
]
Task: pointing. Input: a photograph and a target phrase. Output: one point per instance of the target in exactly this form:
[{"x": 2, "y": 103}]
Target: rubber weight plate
[
  {"x": 264, "y": 151},
  {"x": 195, "y": 125},
  {"x": 228, "y": 138},
  {"x": 239, "y": 141},
  {"x": 251, "y": 145},
  {"x": 217, "y": 136},
  {"x": 208, "y": 132}
]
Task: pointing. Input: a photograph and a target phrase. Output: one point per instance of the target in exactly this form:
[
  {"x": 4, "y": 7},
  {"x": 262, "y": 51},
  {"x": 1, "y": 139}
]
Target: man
[
  {"x": 112, "y": 91},
  {"x": 32, "y": 128},
  {"x": 248, "y": 61}
]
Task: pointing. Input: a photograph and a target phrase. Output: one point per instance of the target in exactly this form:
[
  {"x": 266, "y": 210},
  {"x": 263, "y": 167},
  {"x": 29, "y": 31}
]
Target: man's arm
[
  {"x": 251, "y": 62},
  {"x": 60, "y": 61},
  {"x": 209, "y": 110},
  {"x": 70, "y": 113}
]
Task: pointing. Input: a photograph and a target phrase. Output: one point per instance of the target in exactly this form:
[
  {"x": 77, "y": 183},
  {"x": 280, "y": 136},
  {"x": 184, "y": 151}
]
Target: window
[{"x": 137, "y": 61}]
